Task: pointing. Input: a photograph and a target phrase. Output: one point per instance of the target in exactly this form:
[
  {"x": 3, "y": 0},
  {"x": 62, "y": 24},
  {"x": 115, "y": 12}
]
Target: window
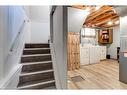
[{"x": 88, "y": 32}]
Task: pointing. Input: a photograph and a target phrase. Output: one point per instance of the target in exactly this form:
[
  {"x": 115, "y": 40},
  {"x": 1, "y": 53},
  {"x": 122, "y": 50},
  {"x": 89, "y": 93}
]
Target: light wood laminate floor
[{"x": 104, "y": 75}]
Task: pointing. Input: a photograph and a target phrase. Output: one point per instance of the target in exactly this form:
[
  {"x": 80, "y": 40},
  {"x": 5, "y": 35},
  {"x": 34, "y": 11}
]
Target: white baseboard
[{"x": 11, "y": 81}]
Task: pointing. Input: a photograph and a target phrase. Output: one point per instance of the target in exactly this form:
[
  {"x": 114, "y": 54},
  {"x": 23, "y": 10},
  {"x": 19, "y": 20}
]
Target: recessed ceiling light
[
  {"x": 97, "y": 7},
  {"x": 117, "y": 22},
  {"x": 110, "y": 23},
  {"x": 87, "y": 9}
]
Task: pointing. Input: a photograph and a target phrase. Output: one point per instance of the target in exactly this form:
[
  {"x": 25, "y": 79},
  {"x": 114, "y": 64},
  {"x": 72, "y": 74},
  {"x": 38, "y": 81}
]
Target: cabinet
[{"x": 105, "y": 36}]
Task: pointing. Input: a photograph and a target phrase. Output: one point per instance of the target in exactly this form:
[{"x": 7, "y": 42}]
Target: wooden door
[{"x": 73, "y": 51}]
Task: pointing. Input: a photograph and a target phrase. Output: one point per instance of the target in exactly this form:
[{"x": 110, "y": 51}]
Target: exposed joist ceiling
[
  {"x": 83, "y": 7},
  {"x": 91, "y": 8},
  {"x": 101, "y": 17}
]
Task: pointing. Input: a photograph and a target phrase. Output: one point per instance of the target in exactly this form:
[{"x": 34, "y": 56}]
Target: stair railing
[{"x": 17, "y": 40}]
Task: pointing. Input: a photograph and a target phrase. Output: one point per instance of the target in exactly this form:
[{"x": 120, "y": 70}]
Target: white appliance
[
  {"x": 84, "y": 55},
  {"x": 90, "y": 54},
  {"x": 94, "y": 54}
]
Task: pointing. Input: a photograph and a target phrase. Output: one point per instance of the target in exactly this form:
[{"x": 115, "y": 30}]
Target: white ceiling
[{"x": 39, "y": 13}]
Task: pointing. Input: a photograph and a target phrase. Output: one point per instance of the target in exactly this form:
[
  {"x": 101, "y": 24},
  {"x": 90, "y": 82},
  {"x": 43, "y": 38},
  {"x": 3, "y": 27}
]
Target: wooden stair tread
[
  {"x": 32, "y": 63},
  {"x": 35, "y": 83},
  {"x": 37, "y": 72},
  {"x": 35, "y": 55},
  {"x": 37, "y": 67},
  {"x": 36, "y": 58},
  {"x": 34, "y": 71},
  {"x": 39, "y": 45},
  {"x": 36, "y": 49}
]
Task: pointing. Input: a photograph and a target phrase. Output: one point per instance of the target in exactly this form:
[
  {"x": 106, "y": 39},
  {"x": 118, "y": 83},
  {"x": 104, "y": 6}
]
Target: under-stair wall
[{"x": 59, "y": 43}]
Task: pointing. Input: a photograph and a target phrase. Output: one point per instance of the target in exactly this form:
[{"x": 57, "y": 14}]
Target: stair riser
[
  {"x": 41, "y": 86},
  {"x": 36, "y": 58},
  {"x": 37, "y": 45},
  {"x": 35, "y": 77},
  {"x": 41, "y": 51},
  {"x": 37, "y": 67}
]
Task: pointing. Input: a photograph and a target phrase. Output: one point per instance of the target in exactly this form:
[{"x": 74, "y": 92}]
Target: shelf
[{"x": 105, "y": 36}]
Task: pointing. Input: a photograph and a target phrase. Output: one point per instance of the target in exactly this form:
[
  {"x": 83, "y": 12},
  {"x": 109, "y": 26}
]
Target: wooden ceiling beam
[
  {"x": 97, "y": 13},
  {"x": 106, "y": 20},
  {"x": 106, "y": 25},
  {"x": 98, "y": 19},
  {"x": 98, "y": 23},
  {"x": 83, "y": 7},
  {"x": 113, "y": 20}
]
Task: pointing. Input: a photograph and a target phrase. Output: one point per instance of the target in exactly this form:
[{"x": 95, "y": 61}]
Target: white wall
[
  {"x": 39, "y": 32},
  {"x": 76, "y": 18},
  {"x": 28, "y": 29},
  {"x": 12, "y": 20},
  {"x": 112, "y": 49},
  {"x": 40, "y": 24},
  {"x": 16, "y": 18}
]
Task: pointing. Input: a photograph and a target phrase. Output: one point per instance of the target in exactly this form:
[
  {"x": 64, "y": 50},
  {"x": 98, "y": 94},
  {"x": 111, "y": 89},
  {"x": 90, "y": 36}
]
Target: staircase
[{"x": 37, "y": 71}]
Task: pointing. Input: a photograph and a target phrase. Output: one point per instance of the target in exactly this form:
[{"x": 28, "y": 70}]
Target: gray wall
[
  {"x": 123, "y": 33},
  {"x": 112, "y": 49},
  {"x": 123, "y": 49},
  {"x": 59, "y": 42},
  {"x": 76, "y": 18},
  {"x": 2, "y": 29}
]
